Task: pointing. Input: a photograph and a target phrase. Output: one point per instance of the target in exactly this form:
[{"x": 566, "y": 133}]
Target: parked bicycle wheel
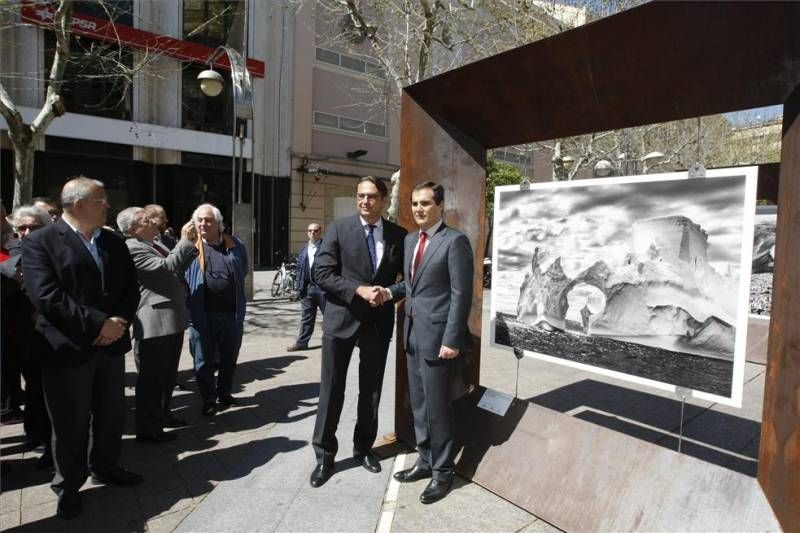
[{"x": 276, "y": 283}]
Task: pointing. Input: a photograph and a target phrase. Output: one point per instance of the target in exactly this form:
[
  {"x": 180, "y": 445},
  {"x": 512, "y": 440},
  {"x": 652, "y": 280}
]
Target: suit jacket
[
  {"x": 439, "y": 298},
  {"x": 64, "y": 285},
  {"x": 343, "y": 263},
  {"x": 304, "y": 275},
  {"x": 162, "y": 307}
]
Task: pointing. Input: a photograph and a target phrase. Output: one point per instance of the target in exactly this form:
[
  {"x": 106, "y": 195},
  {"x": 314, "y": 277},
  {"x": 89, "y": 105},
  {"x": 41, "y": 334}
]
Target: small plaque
[{"x": 495, "y": 402}]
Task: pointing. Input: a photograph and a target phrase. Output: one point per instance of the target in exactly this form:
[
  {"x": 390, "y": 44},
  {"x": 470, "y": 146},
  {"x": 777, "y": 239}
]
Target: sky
[{"x": 583, "y": 224}]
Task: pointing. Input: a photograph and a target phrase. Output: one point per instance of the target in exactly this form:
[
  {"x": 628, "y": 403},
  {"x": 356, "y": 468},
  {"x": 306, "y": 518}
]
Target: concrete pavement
[{"x": 247, "y": 468}]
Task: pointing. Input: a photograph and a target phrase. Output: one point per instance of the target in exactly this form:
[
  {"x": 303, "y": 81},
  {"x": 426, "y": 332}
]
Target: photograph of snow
[
  {"x": 643, "y": 278},
  {"x": 763, "y": 260}
]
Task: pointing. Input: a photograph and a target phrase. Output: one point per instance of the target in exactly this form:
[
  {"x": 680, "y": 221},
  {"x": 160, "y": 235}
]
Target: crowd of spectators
[{"x": 76, "y": 292}]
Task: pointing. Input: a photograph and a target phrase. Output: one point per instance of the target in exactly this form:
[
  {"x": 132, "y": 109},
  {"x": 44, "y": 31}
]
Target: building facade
[{"x": 159, "y": 139}]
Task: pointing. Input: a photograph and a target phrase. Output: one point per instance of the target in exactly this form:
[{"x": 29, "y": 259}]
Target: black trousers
[
  {"x": 336, "y": 355},
  {"x": 157, "y": 361},
  {"x": 314, "y": 298},
  {"x": 86, "y": 404}
]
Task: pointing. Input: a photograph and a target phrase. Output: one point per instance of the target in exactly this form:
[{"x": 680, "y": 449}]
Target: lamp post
[{"x": 211, "y": 84}]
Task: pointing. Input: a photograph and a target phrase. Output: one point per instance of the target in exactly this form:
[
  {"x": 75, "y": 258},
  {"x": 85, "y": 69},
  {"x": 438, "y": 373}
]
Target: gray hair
[
  {"x": 78, "y": 188},
  {"x": 41, "y": 216},
  {"x": 215, "y": 210},
  {"x": 127, "y": 218}
]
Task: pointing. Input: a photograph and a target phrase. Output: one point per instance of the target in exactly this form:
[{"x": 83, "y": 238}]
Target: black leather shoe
[
  {"x": 69, "y": 505},
  {"x": 412, "y": 474},
  {"x": 175, "y": 422},
  {"x": 209, "y": 409},
  {"x": 436, "y": 490},
  {"x": 156, "y": 437},
  {"x": 368, "y": 461},
  {"x": 119, "y": 477},
  {"x": 227, "y": 401},
  {"x": 321, "y": 474},
  {"x": 45, "y": 461}
]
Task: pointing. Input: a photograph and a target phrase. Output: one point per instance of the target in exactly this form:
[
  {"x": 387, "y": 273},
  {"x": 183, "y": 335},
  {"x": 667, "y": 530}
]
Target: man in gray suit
[
  {"x": 160, "y": 321},
  {"x": 437, "y": 285}
]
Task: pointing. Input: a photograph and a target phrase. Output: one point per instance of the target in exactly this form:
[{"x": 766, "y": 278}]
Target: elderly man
[
  {"x": 82, "y": 283},
  {"x": 160, "y": 320},
  {"x": 311, "y": 296},
  {"x": 216, "y": 307},
  {"x": 159, "y": 217}
]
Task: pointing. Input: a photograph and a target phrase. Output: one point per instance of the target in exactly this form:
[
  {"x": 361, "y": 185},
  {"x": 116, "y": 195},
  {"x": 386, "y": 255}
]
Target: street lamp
[{"x": 211, "y": 84}]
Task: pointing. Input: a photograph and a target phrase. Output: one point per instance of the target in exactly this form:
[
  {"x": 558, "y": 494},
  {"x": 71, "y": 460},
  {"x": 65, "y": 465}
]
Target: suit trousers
[
  {"x": 314, "y": 298},
  {"x": 429, "y": 391},
  {"x": 219, "y": 349},
  {"x": 157, "y": 365},
  {"x": 336, "y": 355},
  {"x": 86, "y": 404}
]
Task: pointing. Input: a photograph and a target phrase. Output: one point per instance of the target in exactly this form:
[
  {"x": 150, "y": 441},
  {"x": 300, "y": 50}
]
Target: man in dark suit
[
  {"x": 360, "y": 253},
  {"x": 82, "y": 282},
  {"x": 311, "y": 296},
  {"x": 438, "y": 272}
]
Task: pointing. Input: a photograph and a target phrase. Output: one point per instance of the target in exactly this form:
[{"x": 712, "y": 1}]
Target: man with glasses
[
  {"x": 311, "y": 296},
  {"x": 82, "y": 283},
  {"x": 360, "y": 253}
]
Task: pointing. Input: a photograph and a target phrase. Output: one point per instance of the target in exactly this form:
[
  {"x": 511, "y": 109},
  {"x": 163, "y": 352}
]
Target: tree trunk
[{"x": 23, "y": 173}]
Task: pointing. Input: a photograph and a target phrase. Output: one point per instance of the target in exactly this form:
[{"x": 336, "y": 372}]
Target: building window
[
  {"x": 95, "y": 80},
  {"x": 351, "y": 125},
  {"x": 204, "y": 113},
  {"x": 351, "y": 63},
  {"x": 210, "y": 23}
]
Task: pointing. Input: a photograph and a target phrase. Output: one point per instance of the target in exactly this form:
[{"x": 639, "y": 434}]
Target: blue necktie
[{"x": 371, "y": 245}]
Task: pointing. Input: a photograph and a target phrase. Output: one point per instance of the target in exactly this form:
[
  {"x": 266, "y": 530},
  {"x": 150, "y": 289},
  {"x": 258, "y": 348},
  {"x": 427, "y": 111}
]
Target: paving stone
[
  {"x": 167, "y": 522},
  {"x": 10, "y": 501}
]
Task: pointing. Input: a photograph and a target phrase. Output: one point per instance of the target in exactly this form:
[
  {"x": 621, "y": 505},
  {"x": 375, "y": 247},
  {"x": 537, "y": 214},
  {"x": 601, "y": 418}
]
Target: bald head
[{"x": 85, "y": 202}]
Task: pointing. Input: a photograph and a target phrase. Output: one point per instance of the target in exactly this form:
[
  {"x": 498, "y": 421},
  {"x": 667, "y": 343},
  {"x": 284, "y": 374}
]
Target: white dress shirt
[{"x": 313, "y": 246}]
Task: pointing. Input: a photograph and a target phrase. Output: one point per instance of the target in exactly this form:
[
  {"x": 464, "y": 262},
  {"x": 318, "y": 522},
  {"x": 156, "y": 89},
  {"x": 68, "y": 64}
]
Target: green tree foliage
[{"x": 499, "y": 173}]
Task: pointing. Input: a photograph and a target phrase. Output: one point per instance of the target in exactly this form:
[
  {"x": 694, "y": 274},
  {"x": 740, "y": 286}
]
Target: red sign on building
[{"x": 111, "y": 32}]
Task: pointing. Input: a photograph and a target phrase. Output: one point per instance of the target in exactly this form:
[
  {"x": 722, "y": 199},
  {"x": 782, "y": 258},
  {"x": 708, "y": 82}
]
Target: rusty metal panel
[
  {"x": 435, "y": 151},
  {"x": 658, "y": 62},
  {"x": 583, "y": 477},
  {"x": 779, "y": 457}
]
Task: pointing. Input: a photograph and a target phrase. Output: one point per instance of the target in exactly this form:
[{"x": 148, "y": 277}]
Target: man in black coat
[
  {"x": 311, "y": 296},
  {"x": 82, "y": 282},
  {"x": 360, "y": 253}
]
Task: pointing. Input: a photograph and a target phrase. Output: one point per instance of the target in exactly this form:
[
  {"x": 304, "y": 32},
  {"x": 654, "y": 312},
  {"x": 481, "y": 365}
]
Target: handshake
[{"x": 376, "y": 296}]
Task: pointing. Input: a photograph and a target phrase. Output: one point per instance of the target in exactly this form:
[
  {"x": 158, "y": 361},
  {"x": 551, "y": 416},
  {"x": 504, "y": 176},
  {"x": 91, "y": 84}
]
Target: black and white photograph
[
  {"x": 643, "y": 278},
  {"x": 763, "y": 261}
]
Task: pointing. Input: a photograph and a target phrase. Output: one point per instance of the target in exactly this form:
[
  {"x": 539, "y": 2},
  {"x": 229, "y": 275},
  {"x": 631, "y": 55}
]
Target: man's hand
[
  {"x": 375, "y": 295},
  {"x": 445, "y": 352},
  {"x": 113, "y": 328},
  {"x": 189, "y": 232}
]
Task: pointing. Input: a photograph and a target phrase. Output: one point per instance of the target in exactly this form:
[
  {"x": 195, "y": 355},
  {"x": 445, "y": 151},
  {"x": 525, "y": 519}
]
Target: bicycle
[{"x": 284, "y": 280}]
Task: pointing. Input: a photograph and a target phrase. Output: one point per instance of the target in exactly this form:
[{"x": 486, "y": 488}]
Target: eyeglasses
[
  {"x": 98, "y": 200},
  {"x": 368, "y": 196},
  {"x": 313, "y": 231}
]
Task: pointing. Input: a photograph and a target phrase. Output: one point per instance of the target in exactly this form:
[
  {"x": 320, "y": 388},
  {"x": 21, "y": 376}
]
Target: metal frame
[{"x": 658, "y": 62}]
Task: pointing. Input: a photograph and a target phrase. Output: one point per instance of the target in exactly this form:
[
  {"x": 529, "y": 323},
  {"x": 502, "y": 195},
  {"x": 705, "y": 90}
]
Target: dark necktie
[
  {"x": 371, "y": 245},
  {"x": 159, "y": 250},
  {"x": 423, "y": 238}
]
